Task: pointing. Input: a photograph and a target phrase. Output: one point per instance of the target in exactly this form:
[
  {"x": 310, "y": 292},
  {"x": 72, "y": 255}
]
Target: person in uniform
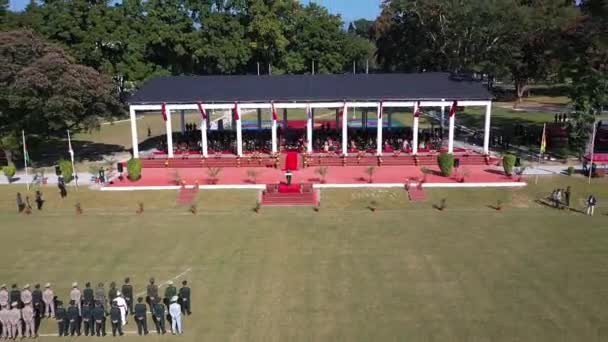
[
  {"x": 127, "y": 292},
  {"x": 151, "y": 293},
  {"x": 100, "y": 296},
  {"x": 73, "y": 316},
  {"x": 37, "y": 302},
  {"x": 112, "y": 292},
  {"x": 62, "y": 319},
  {"x": 140, "y": 317},
  {"x": 88, "y": 295},
  {"x": 87, "y": 319},
  {"x": 26, "y": 295},
  {"x": 15, "y": 294},
  {"x": 170, "y": 292},
  {"x": 184, "y": 297},
  {"x": 159, "y": 317},
  {"x": 121, "y": 303},
  {"x": 4, "y": 318},
  {"x": 48, "y": 297},
  {"x": 99, "y": 316},
  {"x": 15, "y": 320},
  {"x": 115, "y": 319},
  {"x": 175, "y": 311},
  {"x": 3, "y": 296},
  {"x": 27, "y": 313}
]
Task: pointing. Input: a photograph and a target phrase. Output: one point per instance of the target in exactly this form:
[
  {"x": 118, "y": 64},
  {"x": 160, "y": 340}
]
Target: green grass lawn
[{"x": 405, "y": 272}]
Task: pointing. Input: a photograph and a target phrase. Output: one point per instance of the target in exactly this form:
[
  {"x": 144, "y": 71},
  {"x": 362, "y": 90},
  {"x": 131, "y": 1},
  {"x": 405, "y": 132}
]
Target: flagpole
[
  {"x": 25, "y": 156},
  {"x": 71, "y": 151},
  {"x": 592, "y": 148}
]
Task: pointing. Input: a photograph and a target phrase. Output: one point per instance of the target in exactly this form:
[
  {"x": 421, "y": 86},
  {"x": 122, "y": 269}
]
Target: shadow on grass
[{"x": 46, "y": 153}]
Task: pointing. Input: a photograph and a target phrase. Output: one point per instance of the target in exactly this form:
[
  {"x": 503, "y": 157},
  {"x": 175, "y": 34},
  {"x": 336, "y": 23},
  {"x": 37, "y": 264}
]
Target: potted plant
[
  {"x": 508, "y": 163},
  {"x": 442, "y": 205},
  {"x": 373, "y": 205},
  {"x": 370, "y": 172},
  {"x": 570, "y": 170},
  {"x": 9, "y": 172},
  {"x": 446, "y": 164},
  {"x": 322, "y": 172}
]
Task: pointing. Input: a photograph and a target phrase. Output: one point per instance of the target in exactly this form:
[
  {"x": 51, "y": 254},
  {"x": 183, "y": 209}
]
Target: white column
[
  {"x": 169, "y": 129},
  {"x": 345, "y": 131},
  {"x": 415, "y": 131},
  {"x": 274, "y": 136},
  {"x": 134, "y": 139},
  {"x": 379, "y": 134},
  {"x": 239, "y": 133},
  {"x": 309, "y": 125},
  {"x": 451, "y": 135},
  {"x": 486, "y": 130},
  {"x": 182, "y": 116},
  {"x": 204, "y": 137}
]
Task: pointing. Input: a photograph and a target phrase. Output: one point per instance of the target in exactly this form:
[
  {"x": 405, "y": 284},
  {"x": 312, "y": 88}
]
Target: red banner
[
  {"x": 417, "y": 110},
  {"x": 202, "y": 110},
  {"x": 454, "y": 108},
  {"x": 236, "y": 112},
  {"x": 274, "y": 113},
  {"x": 164, "y": 111}
]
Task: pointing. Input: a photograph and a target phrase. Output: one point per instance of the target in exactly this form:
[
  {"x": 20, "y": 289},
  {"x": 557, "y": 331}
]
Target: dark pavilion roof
[{"x": 308, "y": 88}]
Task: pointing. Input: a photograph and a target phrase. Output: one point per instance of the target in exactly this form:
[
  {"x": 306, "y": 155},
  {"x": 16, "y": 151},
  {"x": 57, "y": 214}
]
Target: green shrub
[
  {"x": 508, "y": 162},
  {"x": 134, "y": 169},
  {"x": 66, "y": 170},
  {"x": 9, "y": 172},
  {"x": 446, "y": 164},
  {"x": 570, "y": 170}
]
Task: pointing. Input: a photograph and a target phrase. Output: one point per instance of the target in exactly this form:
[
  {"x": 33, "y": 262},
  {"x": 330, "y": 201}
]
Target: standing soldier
[
  {"x": 184, "y": 296},
  {"x": 121, "y": 303},
  {"x": 4, "y": 320},
  {"x": 73, "y": 316},
  {"x": 99, "y": 315},
  {"x": 27, "y": 313},
  {"x": 15, "y": 295},
  {"x": 37, "y": 301},
  {"x": 76, "y": 296},
  {"x": 176, "y": 317},
  {"x": 112, "y": 292},
  {"x": 15, "y": 320},
  {"x": 48, "y": 297},
  {"x": 115, "y": 319},
  {"x": 140, "y": 317},
  {"x": 87, "y": 294},
  {"x": 62, "y": 319},
  {"x": 170, "y": 292},
  {"x": 151, "y": 293},
  {"x": 3, "y": 296},
  {"x": 100, "y": 296},
  {"x": 127, "y": 292},
  {"x": 26, "y": 295},
  {"x": 87, "y": 319},
  {"x": 159, "y": 317}
]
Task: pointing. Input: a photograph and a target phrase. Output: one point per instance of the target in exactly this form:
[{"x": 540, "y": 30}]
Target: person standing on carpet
[{"x": 288, "y": 176}]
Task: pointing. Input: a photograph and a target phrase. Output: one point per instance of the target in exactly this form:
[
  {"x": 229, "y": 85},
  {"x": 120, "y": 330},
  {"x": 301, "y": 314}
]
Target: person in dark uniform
[
  {"x": 116, "y": 320},
  {"x": 39, "y": 200},
  {"x": 127, "y": 292},
  {"x": 87, "y": 319},
  {"x": 15, "y": 294},
  {"x": 158, "y": 315},
  {"x": 151, "y": 293},
  {"x": 38, "y": 307},
  {"x": 140, "y": 316},
  {"x": 88, "y": 295},
  {"x": 112, "y": 292},
  {"x": 99, "y": 315},
  {"x": 184, "y": 297},
  {"x": 61, "y": 318},
  {"x": 170, "y": 292},
  {"x": 100, "y": 296},
  {"x": 73, "y": 317}
]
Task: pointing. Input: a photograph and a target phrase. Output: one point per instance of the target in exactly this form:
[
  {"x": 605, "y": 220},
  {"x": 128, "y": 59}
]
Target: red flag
[
  {"x": 454, "y": 108},
  {"x": 236, "y": 112},
  {"x": 343, "y": 110},
  {"x": 202, "y": 110},
  {"x": 164, "y": 111},
  {"x": 380, "y": 111},
  {"x": 417, "y": 111},
  {"x": 274, "y": 113}
]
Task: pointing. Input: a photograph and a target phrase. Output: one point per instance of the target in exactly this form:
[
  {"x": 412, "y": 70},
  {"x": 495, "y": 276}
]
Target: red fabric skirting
[{"x": 289, "y": 189}]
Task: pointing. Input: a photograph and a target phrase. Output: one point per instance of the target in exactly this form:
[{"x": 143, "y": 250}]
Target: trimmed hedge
[
  {"x": 508, "y": 163},
  {"x": 66, "y": 170},
  {"x": 134, "y": 169},
  {"x": 9, "y": 172},
  {"x": 446, "y": 164}
]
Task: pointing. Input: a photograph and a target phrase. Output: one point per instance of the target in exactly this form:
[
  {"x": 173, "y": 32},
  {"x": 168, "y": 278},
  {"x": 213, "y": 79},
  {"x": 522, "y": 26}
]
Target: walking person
[
  {"x": 184, "y": 296},
  {"x": 591, "y": 203},
  {"x": 140, "y": 317},
  {"x": 27, "y": 313},
  {"x": 175, "y": 311},
  {"x": 116, "y": 319},
  {"x": 159, "y": 317},
  {"x": 48, "y": 297},
  {"x": 20, "y": 204},
  {"x": 39, "y": 199},
  {"x": 127, "y": 292}
]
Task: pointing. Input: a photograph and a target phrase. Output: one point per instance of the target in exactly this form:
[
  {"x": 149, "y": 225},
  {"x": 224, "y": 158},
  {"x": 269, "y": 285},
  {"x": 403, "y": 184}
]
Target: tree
[{"x": 45, "y": 92}]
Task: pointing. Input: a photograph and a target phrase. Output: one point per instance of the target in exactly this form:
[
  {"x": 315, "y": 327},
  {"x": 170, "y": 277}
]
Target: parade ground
[{"x": 406, "y": 272}]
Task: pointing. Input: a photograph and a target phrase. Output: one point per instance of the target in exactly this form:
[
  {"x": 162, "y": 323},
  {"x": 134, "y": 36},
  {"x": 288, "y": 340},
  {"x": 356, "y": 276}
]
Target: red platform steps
[{"x": 289, "y": 195}]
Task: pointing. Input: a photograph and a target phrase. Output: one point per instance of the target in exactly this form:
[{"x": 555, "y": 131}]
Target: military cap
[
  {"x": 174, "y": 299},
  {"x": 74, "y": 284},
  {"x": 13, "y": 304},
  {"x": 47, "y": 285},
  {"x": 26, "y": 286},
  {"x": 170, "y": 282}
]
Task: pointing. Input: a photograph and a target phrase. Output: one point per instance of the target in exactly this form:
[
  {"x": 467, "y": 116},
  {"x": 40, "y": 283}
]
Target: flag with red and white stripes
[
  {"x": 202, "y": 110},
  {"x": 235, "y": 111}
]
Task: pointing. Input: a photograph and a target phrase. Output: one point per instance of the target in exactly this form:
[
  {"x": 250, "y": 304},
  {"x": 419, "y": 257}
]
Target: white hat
[
  {"x": 3, "y": 286},
  {"x": 74, "y": 284},
  {"x": 170, "y": 282},
  {"x": 118, "y": 293},
  {"x": 47, "y": 285},
  {"x": 26, "y": 286},
  {"x": 14, "y": 304},
  {"x": 174, "y": 299}
]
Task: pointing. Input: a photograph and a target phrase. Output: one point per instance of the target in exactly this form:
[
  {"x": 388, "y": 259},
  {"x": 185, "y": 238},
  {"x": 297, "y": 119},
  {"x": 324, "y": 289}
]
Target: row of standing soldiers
[{"x": 22, "y": 310}]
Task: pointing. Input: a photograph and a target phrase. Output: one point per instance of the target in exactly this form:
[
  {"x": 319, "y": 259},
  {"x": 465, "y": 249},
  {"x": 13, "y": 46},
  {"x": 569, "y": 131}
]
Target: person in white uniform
[
  {"x": 175, "y": 310},
  {"x": 122, "y": 305}
]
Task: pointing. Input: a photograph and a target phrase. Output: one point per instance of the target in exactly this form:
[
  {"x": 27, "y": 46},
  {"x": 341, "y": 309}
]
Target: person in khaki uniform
[
  {"x": 26, "y": 295},
  {"x": 76, "y": 296},
  {"x": 15, "y": 320},
  {"x": 3, "y": 296},
  {"x": 4, "y": 320},
  {"x": 48, "y": 297},
  {"x": 27, "y": 313}
]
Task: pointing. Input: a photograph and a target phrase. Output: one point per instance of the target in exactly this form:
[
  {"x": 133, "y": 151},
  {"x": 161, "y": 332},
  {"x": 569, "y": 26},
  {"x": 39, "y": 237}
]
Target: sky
[{"x": 349, "y": 9}]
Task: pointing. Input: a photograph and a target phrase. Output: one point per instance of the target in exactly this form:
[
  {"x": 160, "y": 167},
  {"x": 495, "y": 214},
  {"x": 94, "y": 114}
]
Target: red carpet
[
  {"x": 291, "y": 162},
  {"x": 289, "y": 189}
]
